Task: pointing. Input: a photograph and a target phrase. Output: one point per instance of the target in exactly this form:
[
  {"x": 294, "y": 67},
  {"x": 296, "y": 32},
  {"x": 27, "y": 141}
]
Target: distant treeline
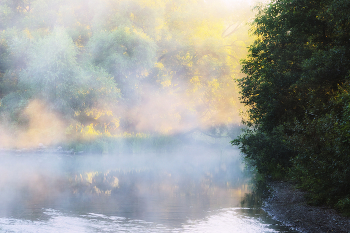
[
  {"x": 83, "y": 68},
  {"x": 296, "y": 90}
]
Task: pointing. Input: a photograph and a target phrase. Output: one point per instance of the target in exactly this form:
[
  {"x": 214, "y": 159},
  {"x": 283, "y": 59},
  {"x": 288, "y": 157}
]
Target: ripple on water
[{"x": 225, "y": 220}]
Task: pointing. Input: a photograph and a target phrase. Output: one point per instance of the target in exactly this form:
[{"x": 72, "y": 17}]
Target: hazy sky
[
  {"x": 239, "y": 1},
  {"x": 250, "y": 2}
]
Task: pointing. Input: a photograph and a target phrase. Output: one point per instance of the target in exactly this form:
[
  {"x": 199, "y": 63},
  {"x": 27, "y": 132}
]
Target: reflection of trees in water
[
  {"x": 185, "y": 181},
  {"x": 253, "y": 199},
  {"x": 151, "y": 187},
  {"x": 154, "y": 194}
]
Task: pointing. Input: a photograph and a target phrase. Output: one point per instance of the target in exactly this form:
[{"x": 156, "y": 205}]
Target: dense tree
[
  {"x": 121, "y": 65},
  {"x": 296, "y": 90}
]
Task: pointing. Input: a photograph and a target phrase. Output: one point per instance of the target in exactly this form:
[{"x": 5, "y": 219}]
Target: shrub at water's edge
[{"x": 297, "y": 93}]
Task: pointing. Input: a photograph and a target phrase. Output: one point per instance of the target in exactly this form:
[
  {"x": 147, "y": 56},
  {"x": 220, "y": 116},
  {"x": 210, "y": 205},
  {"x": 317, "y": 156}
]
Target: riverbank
[{"x": 288, "y": 205}]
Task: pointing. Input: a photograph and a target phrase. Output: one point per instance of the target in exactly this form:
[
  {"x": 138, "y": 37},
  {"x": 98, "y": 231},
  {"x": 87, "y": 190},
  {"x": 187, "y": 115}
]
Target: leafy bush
[
  {"x": 267, "y": 152},
  {"x": 297, "y": 94}
]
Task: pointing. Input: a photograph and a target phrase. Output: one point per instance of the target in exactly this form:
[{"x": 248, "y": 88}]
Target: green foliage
[
  {"x": 51, "y": 69},
  {"x": 344, "y": 205},
  {"x": 266, "y": 152},
  {"x": 297, "y": 94},
  {"x": 106, "y": 67},
  {"x": 123, "y": 53},
  {"x": 322, "y": 144}
]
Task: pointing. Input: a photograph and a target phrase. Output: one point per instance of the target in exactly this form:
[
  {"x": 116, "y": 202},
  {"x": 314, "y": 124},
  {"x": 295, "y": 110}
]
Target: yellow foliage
[
  {"x": 196, "y": 83},
  {"x": 214, "y": 84},
  {"x": 97, "y": 113},
  {"x": 116, "y": 122},
  {"x": 89, "y": 176},
  {"x": 90, "y": 131},
  {"x": 27, "y": 33},
  {"x": 166, "y": 83},
  {"x": 127, "y": 30},
  {"x": 196, "y": 61},
  {"x": 159, "y": 65},
  {"x": 115, "y": 182}
]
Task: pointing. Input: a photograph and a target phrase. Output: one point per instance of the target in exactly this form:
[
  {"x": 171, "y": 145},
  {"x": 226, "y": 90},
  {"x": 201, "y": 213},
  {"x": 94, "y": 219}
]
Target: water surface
[{"x": 193, "y": 191}]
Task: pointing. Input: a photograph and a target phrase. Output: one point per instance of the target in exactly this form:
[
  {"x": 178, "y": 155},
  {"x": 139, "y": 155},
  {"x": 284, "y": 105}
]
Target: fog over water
[
  {"x": 190, "y": 189},
  {"x": 117, "y": 116}
]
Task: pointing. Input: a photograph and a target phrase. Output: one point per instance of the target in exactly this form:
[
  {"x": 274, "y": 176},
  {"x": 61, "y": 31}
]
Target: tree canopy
[
  {"x": 114, "y": 66},
  {"x": 296, "y": 90}
]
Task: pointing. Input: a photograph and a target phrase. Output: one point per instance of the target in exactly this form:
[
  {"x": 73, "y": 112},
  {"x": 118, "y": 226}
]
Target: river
[{"x": 196, "y": 191}]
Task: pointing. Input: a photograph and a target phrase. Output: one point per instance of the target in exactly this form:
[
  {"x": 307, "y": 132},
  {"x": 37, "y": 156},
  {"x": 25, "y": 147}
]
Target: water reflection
[
  {"x": 222, "y": 220},
  {"x": 173, "y": 193}
]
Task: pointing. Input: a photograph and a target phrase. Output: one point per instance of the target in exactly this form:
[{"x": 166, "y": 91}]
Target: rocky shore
[{"x": 288, "y": 205}]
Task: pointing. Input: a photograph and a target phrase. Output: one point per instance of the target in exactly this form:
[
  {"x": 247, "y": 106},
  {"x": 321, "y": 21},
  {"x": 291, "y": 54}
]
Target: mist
[
  {"x": 104, "y": 104},
  {"x": 77, "y": 70},
  {"x": 120, "y": 77},
  {"x": 32, "y": 184}
]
